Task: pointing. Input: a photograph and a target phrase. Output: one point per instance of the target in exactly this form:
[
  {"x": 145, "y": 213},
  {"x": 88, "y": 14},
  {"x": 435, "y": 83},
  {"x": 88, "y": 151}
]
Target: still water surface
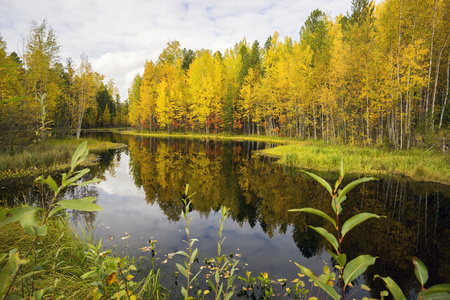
[{"x": 141, "y": 196}]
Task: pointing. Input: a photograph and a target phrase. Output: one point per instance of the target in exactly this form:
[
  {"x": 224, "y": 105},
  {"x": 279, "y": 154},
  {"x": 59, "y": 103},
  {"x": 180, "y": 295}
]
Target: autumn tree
[
  {"x": 134, "y": 98},
  {"x": 16, "y": 118},
  {"x": 85, "y": 90}
]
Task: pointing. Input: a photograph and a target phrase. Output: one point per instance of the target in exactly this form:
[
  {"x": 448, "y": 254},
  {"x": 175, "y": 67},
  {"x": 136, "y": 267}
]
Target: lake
[{"x": 143, "y": 186}]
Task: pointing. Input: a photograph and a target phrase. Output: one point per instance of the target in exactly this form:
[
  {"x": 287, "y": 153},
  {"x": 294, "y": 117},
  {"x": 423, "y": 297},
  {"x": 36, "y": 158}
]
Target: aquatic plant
[{"x": 348, "y": 271}]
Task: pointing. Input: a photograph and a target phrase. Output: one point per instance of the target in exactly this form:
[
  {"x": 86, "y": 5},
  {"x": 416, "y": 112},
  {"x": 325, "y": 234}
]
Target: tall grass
[
  {"x": 59, "y": 261},
  {"x": 36, "y": 156},
  {"x": 49, "y": 155},
  {"x": 419, "y": 164}
]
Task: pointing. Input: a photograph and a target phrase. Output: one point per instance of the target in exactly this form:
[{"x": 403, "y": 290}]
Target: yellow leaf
[
  {"x": 111, "y": 278},
  {"x": 129, "y": 277}
]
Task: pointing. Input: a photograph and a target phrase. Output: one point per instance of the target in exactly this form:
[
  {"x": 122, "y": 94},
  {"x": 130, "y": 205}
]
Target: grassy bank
[
  {"x": 58, "y": 264},
  {"x": 214, "y": 137},
  {"x": 53, "y": 154},
  {"x": 418, "y": 164}
]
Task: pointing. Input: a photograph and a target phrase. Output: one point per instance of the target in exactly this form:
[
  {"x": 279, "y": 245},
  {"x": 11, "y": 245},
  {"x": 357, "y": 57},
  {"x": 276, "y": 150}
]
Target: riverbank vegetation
[
  {"x": 52, "y": 154},
  {"x": 429, "y": 165},
  {"x": 418, "y": 164}
]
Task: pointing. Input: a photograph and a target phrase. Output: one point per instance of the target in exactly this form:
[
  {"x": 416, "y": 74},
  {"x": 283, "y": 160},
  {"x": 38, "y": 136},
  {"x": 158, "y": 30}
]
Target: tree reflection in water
[{"x": 259, "y": 193}]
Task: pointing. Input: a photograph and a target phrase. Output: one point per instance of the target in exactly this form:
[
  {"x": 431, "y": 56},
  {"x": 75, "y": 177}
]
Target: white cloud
[{"x": 118, "y": 36}]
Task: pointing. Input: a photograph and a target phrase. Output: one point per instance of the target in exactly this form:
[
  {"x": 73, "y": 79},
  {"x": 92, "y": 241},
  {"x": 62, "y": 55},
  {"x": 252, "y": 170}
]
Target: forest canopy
[
  {"x": 378, "y": 75},
  {"x": 39, "y": 93}
]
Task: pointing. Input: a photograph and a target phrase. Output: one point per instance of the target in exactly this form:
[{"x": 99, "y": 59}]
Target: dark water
[{"x": 141, "y": 195}]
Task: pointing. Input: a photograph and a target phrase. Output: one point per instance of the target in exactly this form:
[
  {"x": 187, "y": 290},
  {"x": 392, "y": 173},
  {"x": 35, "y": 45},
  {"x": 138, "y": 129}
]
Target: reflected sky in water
[
  {"x": 126, "y": 213},
  {"x": 141, "y": 192}
]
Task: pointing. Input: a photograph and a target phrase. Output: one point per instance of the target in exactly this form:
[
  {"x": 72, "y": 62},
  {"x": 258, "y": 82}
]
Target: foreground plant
[
  {"x": 223, "y": 266},
  {"x": 34, "y": 220},
  {"x": 191, "y": 255},
  {"x": 347, "y": 271},
  {"x": 436, "y": 292}
]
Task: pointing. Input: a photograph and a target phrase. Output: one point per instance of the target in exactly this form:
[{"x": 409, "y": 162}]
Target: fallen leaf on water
[{"x": 125, "y": 237}]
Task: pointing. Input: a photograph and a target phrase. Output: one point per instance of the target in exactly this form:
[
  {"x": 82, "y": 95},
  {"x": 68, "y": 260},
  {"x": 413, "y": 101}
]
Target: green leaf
[
  {"x": 212, "y": 285},
  {"x": 331, "y": 238},
  {"x": 350, "y": 186},
  {"x": 17, "y": 213},
  {"x": 325, "y": 287},
  {"x": 216, "y": 276},
  {"x": 321, "y": 181},
  {"x": 42, "y": 230},
  {"x": 49, "y": 181},
  {"x": 436, "y": 296},
  {"x": 341, "y": 175},
  {"x": 182, "y": 253},
  {"x": 355, "y": 220},
  {"x": 38, "y": 294},
  {"x": 79, "y": 155},
  {"x": 95, "y": 180},
  {"x": 193, "y": 256},
  {"x": 55, "y": 210},
  {"x": 316, "y": 212},
  {"x": 356, "y": 267},
  {"x": 84, "y": 204},
  {"x": 420, "y": 270},
  {"x": 228, "y": 295},
  {"x": 77, "y": 176},
  {"x": 395, "y": 290},
  {"x": 182, "y": 270},
  {"x": 184, "y": 292},
  {"x": 437, "y": 291},
  {"x": 341, "y": 259}
]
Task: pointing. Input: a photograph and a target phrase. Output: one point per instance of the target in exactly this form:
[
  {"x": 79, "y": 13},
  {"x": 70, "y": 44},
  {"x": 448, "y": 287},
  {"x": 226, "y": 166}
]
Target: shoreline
[{"x": 415, "y": 164}]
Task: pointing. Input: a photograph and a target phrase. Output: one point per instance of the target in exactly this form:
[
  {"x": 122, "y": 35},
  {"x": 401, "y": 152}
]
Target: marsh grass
[
  {"x": 418, "y": 164},
  {"x": 52, "y": 155},
  {"x": 59, "y": 261},
  {"x": 223, "y": 136}
]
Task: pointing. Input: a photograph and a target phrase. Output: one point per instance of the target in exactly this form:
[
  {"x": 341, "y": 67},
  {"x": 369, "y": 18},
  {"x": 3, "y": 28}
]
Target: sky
[{"x": 118, "y": 36}]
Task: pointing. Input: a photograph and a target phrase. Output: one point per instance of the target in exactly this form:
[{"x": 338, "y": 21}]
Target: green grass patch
[
  {"x": 418, "y": 164},
  {"x": 213, "y": 136},
  {"x": 59, "y": 260},
  {"x": 53, "y": 154}
]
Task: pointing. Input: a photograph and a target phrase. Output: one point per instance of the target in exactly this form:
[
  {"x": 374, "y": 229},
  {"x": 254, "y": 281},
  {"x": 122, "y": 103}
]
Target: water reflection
[{"x": 143, "y": 185}]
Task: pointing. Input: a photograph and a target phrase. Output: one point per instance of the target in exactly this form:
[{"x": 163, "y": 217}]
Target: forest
[
  {"x": 379, "y": 75},
  {"x": 38, "y": 92}
]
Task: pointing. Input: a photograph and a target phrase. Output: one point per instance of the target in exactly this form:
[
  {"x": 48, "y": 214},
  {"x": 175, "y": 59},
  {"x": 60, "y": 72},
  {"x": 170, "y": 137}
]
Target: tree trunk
[
  {"x": 431, "y": 63},
  {"x": 446, "y": 92},
  {"x": 438, "y": 64}
]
